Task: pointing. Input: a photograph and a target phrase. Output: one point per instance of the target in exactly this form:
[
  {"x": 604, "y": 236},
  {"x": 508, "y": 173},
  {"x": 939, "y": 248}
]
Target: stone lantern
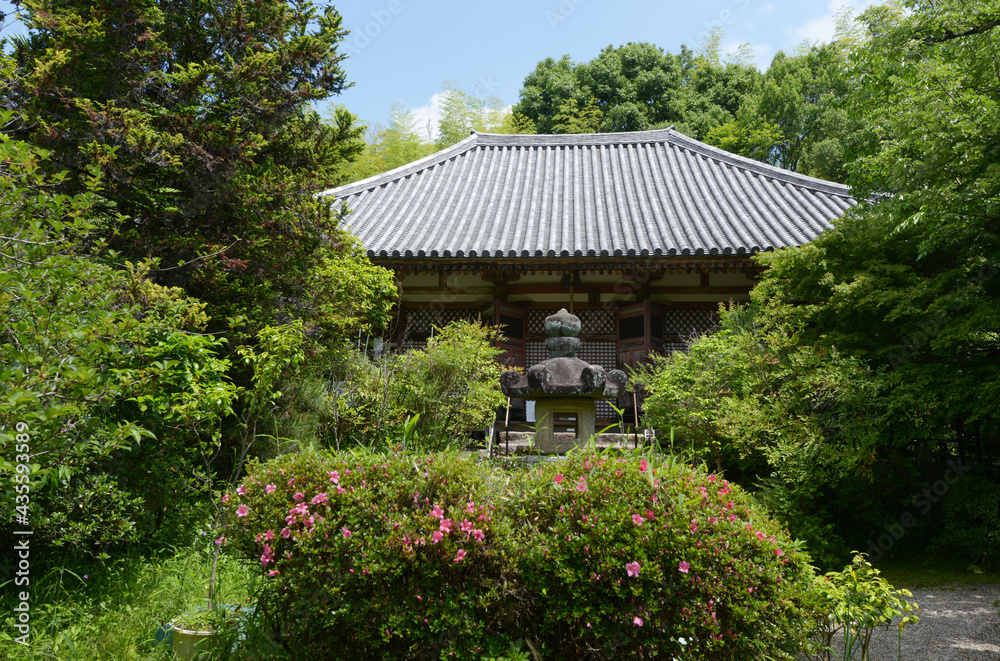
[{"x": 564, "y": 387}]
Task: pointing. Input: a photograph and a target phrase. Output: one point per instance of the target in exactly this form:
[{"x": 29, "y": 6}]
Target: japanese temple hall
[{"x": 641, "y": 235}]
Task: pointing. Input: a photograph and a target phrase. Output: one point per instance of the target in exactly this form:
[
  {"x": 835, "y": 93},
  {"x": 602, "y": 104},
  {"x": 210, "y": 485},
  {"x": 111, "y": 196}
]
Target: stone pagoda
[{"x": 564, "y": 387}]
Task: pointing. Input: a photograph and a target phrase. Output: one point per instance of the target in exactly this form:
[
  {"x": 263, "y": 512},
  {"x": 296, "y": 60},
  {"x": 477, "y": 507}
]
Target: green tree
[
  {"x": 789, "y": 420},
  {"x": 199, "y": 115},
  {"x": 110, "y": 392}
]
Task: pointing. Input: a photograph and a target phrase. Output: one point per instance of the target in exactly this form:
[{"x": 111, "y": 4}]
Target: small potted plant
[{"x": 195, "y": 633}]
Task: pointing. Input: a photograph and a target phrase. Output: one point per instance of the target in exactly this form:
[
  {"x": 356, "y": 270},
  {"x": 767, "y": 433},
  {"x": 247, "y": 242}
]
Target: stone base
[{"x": 552, "y": 413}]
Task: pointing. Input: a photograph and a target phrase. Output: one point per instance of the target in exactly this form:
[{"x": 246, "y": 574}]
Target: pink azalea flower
[
  {"x": 242, "y": 510},
  {"x": 459, "y": 555},
  {"x": 437, "y": 512},
  {"x": 436, "y": 536},
  {"x": 273, "y": 573},
  {"x": 643, "y": 465},
  {"x": 558, "y": 479},
  {"x": 445, "y": 526},
  {"x": 684, "y": 566},
  {"x": 347, "y": 533},
  {"x": 466, "y": 526},
  {"x": 760, "y": 535},
  {"x": 319, "y": 498},
  {"x": 269, "y": 535},
  {"x": 632, "y": 568},
  {"x": 637, "y": 519},
  {"x": 286, "y": 533},
  {"x": 637, "y": 621},
  {"x": 334, "y": 476},
  {"x": 298, "y": 496},
  {"x": 241, "y": 490},
  {"x": 270, "y": 488},
  {"x": 478, "y": 534},
  {"x": 470, "y": 508},
  {"x": 220, "y": 541},
  {"x": 778, "y": 552},
  {"x": 711, "y": 478},
  {"x": 225, "y": 498},
  {"x": 581, "y": 485}
]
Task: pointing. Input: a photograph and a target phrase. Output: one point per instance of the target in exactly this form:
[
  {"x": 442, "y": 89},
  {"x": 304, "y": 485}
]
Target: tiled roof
[{"x": 650, "y": 193}]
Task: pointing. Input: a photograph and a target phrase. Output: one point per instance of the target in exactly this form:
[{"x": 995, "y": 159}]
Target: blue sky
[{"x": 404, "y": 50}]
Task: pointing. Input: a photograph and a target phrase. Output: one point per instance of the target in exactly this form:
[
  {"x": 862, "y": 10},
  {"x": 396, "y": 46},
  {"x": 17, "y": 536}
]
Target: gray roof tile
[{"x": 655, "y": 193}]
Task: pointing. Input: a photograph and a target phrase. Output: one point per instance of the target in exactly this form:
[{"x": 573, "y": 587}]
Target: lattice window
[
  {"x": 687, "y": 323},
  {"x": 419, "y": 321},
  {"x": 592, "y": 322}
]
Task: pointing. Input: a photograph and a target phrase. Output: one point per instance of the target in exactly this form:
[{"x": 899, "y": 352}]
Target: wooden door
[
  {"x": 513, "y": 323},
  {"x": 639, "y": 333}
]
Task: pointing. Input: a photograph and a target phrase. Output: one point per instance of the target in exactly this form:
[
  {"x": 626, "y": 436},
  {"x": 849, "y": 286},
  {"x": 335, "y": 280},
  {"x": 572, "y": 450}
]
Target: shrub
[
  {"x": 410, "y": 556},
  {"x": 644, "y": 559},
  {"x": 374, "y": 556}
]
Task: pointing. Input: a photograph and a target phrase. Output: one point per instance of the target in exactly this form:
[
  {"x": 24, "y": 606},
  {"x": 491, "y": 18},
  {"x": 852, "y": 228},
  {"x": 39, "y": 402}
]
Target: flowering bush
[
  {"x": 406, "y": 556},
  {"x": 637, "y": 559},
  {"x": 374, "y": 556}
]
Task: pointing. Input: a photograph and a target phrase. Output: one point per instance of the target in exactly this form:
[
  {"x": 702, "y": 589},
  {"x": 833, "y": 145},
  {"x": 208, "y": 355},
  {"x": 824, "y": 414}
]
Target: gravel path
[{"x": 956, "y": 622}]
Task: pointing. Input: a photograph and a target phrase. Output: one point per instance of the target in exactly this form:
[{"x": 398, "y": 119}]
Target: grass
[
  {"x": 111, "y": 612},
  {"x": 934, "y": 571}
]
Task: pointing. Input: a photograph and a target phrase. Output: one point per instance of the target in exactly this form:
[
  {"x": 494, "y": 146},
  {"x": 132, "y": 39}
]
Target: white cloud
[
  {"x": 429, "y": 112},
  {"x": 769, "y": 8}
]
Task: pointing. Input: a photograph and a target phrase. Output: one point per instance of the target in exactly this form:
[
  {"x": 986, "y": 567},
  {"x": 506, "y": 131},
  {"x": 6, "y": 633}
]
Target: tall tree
[{"x": 198, "y": 113}]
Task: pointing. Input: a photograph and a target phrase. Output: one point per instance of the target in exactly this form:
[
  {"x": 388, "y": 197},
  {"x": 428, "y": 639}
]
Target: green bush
[{"x": 409, "y": 556}]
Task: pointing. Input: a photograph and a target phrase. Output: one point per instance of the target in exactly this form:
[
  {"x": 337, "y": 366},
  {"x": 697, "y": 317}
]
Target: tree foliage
[
  {"x": 198, "y": 113},
  {"x": 120, "y": 392}
]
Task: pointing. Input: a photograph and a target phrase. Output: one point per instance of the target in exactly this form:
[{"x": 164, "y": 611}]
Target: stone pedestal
[{"x": 556, "y": 414}]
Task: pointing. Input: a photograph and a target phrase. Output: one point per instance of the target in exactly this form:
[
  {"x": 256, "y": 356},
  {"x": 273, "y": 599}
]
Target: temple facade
[{"x": 640, "y": 235}]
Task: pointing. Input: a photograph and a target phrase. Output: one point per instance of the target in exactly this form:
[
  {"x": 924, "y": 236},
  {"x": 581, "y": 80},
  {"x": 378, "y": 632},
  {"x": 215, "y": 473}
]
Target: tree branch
[{"x": 949, "y": 35}]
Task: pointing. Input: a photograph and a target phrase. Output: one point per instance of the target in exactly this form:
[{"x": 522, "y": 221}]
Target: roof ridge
[{"x": 376, "y": 180}]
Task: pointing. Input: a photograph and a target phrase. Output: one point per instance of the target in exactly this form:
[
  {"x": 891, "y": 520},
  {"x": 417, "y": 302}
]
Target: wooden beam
[{"x": 620, "y": 288}]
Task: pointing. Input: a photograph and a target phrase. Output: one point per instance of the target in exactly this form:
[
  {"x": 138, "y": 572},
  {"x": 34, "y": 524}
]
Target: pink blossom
[
  {"x": 225, "y": 498},
  {"x": 637, "y": 621},
  {"x": 632, "y": 568},
  {"x": 269, "y": 535},
  {"x": 267, "y": 557},
  {"x": 436, "y": 536},
  {"x": 582, "y": 485},
  {"x": 470, "y": 507},
  {"x": 273, "y": 573},
  {"x": 334, "y": 476},
  {"x": 445, "y": 526},
  {"x": 478, "y": 534},
  {"x": 684, "y": 566},
  {"x": 643, "y": 465},
  {"x": 347, "y": 533},
  {"x": 711, "y": 478},
  {"x": 319, "y": 498},
  {"x": 298, "y": 496},
  {"x": 466, "y": 526},
  {"x": 241, "y": 490},
  {"x": 437, "y": 512},
  {"x": 760, "y": 535},
  {"x": 778, "y": 552},
  {"x": 220, "y": 541},
  {"x": 286, "y": 533},
  {"x": 637, "y": 519},
  {"x": 558, "y": 479},
  {"x": 270, "y": 488},
  {"x": 242, "y": 510},
  {"x": 460, "y": 555}
]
